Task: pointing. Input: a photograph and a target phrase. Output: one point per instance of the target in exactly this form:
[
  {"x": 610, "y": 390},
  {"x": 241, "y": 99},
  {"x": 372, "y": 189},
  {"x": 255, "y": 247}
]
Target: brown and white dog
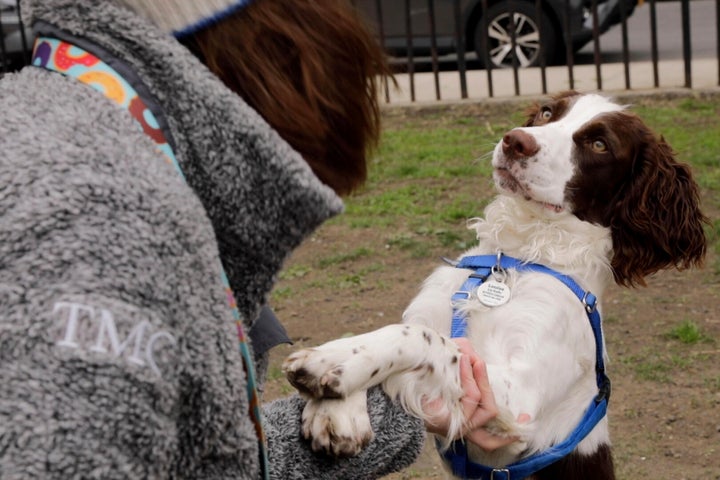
[{"x": 586, "y": 189}]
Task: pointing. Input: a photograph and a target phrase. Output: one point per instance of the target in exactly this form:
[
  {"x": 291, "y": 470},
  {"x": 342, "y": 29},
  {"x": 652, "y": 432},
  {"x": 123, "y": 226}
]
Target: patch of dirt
[{"x": 665, "y": 406}]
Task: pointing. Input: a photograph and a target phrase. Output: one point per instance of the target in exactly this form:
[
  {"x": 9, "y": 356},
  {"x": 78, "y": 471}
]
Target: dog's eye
[
  {"x": 546, "y": 113},
  {"x": 598, "y": 146}
]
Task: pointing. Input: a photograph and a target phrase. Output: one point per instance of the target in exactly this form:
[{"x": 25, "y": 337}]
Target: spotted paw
[
  {"x": 315, "y": 373},
  {"x": 338, "y": 427}
]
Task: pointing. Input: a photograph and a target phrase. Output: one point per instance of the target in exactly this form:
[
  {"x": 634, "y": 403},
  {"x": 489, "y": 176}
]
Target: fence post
[
  {"x": 654, "y": 43},
  {"x": 433, "y": 47},
  {"x": 596, "y": 44},
  {"x": 484, "y": 25},
  {"x": 568, "y": 45},
  {"x": 687, "y": 54},
  {"x": 625, "y": 48},
  {"x": 26, "y": 50},
  {"x": 381, "y": 33},
  {"x": 541, "y": 52},
  {"x": 460, "y": 40}
]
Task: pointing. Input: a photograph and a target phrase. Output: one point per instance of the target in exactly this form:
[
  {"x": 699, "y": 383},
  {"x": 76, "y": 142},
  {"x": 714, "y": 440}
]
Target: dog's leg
[
  {"x": 341, "y": 367},
  {"x": 413, "y": 362}
]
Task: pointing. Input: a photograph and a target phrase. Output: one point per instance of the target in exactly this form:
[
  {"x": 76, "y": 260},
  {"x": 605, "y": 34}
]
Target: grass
[
  {"x": 653, "y": 367},
  {"x": 345, "y": 257},
  {"x": 425, "y": 156},
  {"x": 688, "y": 332},
  {"x": 663, "y": 365}
]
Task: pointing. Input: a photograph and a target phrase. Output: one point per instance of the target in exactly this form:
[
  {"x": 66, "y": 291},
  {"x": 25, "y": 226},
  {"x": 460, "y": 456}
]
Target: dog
[{"x": 587, "y": 195}]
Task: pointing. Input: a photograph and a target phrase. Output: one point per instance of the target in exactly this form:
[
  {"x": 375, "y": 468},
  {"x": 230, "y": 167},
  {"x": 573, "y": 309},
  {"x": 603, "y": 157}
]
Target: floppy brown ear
[{"x": 657, "y": 222}]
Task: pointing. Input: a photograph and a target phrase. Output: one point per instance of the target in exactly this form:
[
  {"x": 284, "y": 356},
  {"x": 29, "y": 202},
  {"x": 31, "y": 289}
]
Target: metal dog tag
[{"x": 493, "y": 294}]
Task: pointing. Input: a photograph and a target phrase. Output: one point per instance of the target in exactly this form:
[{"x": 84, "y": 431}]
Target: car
[
  {"x": 492, "y": 31},
  {"x": 15, "y": 37}
]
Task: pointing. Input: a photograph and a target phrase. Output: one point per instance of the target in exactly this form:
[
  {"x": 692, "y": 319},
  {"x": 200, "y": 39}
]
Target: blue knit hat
[{"x": 185, "y": 17}]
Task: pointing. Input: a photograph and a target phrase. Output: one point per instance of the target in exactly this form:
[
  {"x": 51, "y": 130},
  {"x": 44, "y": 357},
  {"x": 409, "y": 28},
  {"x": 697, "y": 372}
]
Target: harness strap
[
  {"x": 483, "y": 265},
  {"x": 457, "y": 456}
]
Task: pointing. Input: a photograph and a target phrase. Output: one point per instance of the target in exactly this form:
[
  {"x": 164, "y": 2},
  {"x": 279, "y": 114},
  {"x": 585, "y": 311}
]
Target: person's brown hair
[{"x": 311, "y": 69}]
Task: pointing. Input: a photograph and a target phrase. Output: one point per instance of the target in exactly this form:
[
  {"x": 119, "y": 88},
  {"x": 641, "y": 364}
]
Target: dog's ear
[{"x": 657, "y": 222}]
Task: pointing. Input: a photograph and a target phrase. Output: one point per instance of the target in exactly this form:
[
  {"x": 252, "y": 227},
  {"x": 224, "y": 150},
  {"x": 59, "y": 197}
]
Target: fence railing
[
  {"x": 460, "y": 49},
  {"x": 649, "y": 45}
]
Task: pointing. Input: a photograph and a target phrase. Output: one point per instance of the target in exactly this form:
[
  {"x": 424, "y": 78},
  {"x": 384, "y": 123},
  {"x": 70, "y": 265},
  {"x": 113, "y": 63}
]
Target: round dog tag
[{"x": 493, "y": 294}]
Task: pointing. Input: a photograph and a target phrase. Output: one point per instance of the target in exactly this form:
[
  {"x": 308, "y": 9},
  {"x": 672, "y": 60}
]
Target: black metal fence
[
  {"x": 446, "y": 49},
  {"x": 625, "y": 66},
  {"x": 15, "y": 37}
]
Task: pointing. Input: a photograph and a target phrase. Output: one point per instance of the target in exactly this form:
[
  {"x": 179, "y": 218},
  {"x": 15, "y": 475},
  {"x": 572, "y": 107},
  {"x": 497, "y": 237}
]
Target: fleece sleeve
[{"x": 398, "y": 441}]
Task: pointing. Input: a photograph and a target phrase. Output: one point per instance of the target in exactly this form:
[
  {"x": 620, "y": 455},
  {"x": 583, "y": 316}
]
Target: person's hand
[{"x": 478, "y": 403}]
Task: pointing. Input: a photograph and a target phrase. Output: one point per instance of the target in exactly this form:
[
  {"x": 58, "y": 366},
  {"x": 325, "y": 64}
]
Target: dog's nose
[{"x": 519, "y": 144}]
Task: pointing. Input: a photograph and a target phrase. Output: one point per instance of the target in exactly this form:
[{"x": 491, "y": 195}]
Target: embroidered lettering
[
  {"x": 74, "y": 310},
  {"x": 104, "y": 329},
  {"x": 107, "y": 329},
  {"x": 149, "y": 348}
]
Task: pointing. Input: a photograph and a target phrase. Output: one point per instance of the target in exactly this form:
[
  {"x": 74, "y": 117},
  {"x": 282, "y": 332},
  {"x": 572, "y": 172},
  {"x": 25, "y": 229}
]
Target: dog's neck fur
[{"x": 535, "y": 234}]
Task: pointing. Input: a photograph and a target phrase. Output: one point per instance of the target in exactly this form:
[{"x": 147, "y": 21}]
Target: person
[{"x": 160, "y": 160}]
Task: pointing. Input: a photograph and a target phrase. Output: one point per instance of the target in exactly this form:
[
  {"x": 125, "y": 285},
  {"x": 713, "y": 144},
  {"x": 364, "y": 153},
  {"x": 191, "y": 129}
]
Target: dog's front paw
[
  {"x": 339, "y": 427},
  {"x": 314, "y": 375}
]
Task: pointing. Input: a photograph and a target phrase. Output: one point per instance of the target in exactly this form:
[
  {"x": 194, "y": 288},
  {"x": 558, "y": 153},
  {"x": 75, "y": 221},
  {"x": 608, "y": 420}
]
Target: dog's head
[{"x": 588, "y": 156}]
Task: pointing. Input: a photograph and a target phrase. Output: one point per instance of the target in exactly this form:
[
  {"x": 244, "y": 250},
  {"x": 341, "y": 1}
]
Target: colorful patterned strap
[
  {"x": 73, "y": 61},
  {"x": 54, "y": 54}
]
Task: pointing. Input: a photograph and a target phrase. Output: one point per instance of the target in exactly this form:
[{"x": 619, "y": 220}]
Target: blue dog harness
[{"x": 485, "y": 266}]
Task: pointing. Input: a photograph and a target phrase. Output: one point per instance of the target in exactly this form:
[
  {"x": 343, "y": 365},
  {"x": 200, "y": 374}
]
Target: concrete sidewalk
[{"x": 704, "y": 73}]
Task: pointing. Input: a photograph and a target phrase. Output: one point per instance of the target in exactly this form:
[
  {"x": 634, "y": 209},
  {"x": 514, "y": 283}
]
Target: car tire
[{"x": 527, "y": 36}]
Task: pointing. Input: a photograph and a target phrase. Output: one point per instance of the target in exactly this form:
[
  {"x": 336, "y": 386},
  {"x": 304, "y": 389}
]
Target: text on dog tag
[{"x": 493, "y": 294}]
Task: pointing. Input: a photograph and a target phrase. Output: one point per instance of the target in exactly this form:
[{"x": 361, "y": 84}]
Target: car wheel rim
[{"x": 527, "y": 40}]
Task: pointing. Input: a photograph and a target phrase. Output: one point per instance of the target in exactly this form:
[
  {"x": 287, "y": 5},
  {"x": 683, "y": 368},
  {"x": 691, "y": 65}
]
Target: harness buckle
[
  {"x": 459, "y": 296},
  {"x": 504, "y": 474},
  {"x": 589, "y": 301}
]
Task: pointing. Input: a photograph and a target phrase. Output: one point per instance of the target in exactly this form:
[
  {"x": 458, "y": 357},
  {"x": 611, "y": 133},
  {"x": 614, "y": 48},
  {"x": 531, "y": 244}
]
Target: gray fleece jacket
[{"x": 118, "y": 353}]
